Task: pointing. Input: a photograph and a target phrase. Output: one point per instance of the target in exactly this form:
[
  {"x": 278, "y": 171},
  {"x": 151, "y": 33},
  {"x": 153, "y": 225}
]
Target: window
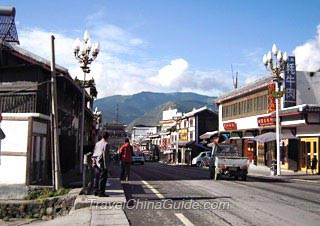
[
  {"x": 191, "y": 122},
  {"x": 191, "y": 135},
  {"x": 250, "y": 106}
]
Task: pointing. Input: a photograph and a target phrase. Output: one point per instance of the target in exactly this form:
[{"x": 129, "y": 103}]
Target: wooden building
[{"x": 25, "y": 95}]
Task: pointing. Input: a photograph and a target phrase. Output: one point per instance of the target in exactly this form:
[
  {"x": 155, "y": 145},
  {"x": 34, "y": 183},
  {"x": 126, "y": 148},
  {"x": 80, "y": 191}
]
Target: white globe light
[{"x": 274, "y": 49}]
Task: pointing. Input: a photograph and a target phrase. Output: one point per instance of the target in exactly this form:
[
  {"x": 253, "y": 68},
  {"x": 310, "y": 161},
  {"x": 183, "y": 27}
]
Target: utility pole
[
  {"x": 117, "y": 113},
  {"x": 54, "y": 130}
]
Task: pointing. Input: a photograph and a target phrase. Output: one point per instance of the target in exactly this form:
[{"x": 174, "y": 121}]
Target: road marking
[
  {"x": 303, "y": 180},
  {"x": 183, "y": 219},
  {"x": 158, "y": 194}
]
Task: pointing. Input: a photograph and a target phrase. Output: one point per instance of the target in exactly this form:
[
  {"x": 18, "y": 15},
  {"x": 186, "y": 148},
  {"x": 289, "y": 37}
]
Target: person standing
[
  {"x": 125, "y": 153},
  {"x": 100, "y": 160},
  {"x": 314, "y": 165},
  {"x": 215, "y": 141}
]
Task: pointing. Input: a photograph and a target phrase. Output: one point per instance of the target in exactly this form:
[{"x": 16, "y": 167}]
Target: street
[{"x": 183, "y": 195}]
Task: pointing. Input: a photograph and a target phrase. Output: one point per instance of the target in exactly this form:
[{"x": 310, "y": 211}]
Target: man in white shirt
[{"x": 100, "y": 158}]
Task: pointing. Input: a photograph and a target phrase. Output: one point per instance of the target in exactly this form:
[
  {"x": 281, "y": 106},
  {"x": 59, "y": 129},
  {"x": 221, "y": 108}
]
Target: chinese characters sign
[
  {"x": 271, "y": 99},
  {"x": 230, "y": 126},
  {"x": 266, "y": 121},
  {"x": 184, "y": 135},
  {"x": 290, "y": 83}
]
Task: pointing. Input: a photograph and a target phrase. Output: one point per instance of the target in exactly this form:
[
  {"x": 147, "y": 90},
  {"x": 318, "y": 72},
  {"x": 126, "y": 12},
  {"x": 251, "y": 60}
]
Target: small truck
[{"x": 228, "y": 161}]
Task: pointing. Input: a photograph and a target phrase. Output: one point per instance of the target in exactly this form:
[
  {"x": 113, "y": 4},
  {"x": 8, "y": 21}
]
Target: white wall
[
  {"x": 169, "y": 114},
  {"x": 308, "y": 91},
  {"x": 243, "y": 123},
  {"x": 308, "y": 131},
  {"x": 13, "y": 168}
]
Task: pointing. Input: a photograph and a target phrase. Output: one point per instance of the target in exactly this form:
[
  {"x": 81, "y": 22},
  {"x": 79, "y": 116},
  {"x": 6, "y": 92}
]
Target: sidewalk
[
  {"x": 264, "y": 171},
  {"x": 90, "y": 210}
]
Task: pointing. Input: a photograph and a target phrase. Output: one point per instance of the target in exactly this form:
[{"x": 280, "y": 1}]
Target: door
[{"x": 310, "y": 154}]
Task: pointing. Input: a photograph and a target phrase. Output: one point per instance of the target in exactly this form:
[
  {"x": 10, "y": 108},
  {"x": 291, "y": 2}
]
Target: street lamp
[
  {"x": 85, "y": 55},
  {"x": 276, "y": 62}
]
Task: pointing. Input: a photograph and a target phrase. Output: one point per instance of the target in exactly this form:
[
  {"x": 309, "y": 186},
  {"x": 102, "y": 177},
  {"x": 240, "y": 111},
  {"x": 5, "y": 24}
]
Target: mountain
[{"x": 146, "y": 107}]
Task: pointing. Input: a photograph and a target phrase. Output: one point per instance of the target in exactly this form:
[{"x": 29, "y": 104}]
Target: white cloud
[
  {"x": 113, "y": 74},
  {"x": 308, "y": 54},
  {"x": 169, "y": 74}
]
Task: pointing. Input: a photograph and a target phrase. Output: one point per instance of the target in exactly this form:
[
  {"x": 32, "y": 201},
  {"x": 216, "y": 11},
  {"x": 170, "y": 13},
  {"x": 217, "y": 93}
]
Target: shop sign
[
  {"x": 290, "y": 85},
  {"x": 271, "y": 99},
  {"x": 266, "y": 121},
  {"x": 184, "y": 135},
  {"x": 230, "y": 126}
]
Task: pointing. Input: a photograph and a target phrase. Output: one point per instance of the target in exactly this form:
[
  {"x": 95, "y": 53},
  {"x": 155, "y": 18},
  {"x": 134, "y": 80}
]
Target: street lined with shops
[{"x": 183, "y": 195}]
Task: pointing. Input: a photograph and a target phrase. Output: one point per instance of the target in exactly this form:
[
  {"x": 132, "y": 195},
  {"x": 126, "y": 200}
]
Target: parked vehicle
[
  {"x": 228, "y": 162},
  {"x": 138, "y": 157},
  {"x": 202, "y": 158}
]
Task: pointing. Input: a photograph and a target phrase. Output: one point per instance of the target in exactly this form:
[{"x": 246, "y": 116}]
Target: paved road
[{"x": 162, "y": 194}]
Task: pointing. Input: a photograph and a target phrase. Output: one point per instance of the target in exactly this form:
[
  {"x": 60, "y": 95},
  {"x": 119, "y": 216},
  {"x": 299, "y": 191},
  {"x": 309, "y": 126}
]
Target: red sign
[
  {"x": 271, "y": 99},
  {"x": 230, "y": 126},
  {"x": 266, "y": 121}
]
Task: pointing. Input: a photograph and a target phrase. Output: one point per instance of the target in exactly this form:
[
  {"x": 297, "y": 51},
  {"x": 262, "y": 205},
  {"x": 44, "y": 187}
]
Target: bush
[{"x": 45, "y": 193}]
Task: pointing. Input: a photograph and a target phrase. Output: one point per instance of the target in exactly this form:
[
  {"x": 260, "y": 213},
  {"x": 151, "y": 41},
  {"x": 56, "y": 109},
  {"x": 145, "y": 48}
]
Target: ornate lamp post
[
  {"x": 85, "y": 55},
  {"x": 276, "y": 62}
]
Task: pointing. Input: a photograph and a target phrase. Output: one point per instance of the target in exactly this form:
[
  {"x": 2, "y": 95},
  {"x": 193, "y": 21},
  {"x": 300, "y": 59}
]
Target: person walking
[
  {"x": 125, "y": 153},
  {"x": 100, "y": 158}
]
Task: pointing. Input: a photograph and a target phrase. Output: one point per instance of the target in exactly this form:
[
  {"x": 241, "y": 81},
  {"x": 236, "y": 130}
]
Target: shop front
[{"x": 309, "y": 155}]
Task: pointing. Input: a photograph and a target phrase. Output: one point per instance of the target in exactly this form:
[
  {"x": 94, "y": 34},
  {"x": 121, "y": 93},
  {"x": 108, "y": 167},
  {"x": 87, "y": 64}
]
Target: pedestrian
[
  {"x": 314, "y": 164},
  {"x": 100, "y": 159},
  {"x": 125, "y": 154},
  {"x": 214, "y": 142}
]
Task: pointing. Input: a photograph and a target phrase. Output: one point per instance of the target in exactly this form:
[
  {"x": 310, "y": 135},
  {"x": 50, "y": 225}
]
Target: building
[
  {"x": 180, "y": 133},
  {"x": 190, "y": 127},
  {"x": 25, "y": 103},
  {"x": 140, "y": 136},
  {"x": 117, "y": 134},
  {"x": 250, "y": 110}
]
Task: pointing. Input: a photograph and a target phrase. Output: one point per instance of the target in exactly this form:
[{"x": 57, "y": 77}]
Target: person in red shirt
[{"x": 125, "y": 153}]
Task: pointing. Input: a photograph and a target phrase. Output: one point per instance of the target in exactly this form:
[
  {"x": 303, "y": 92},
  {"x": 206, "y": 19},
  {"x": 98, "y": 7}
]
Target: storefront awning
[
  {"x": 196, "y": 145},
  {"x": 249, "y": 134},
  {"x": 235, "y": 135},
  {"x": 207, "y": 135},
  {"x": 271, "y": 136}
]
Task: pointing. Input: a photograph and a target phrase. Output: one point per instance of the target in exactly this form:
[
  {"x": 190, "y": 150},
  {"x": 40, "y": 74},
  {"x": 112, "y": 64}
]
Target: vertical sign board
[{"x": 290, "y": 84}]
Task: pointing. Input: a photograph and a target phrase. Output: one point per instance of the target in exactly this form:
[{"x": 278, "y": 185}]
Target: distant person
[
  {"x": 125, "y": 154},
  {"x": 100, "y": 158},
  {"x": 314, "y": 164},
  {"x": 214, "y": 141}
]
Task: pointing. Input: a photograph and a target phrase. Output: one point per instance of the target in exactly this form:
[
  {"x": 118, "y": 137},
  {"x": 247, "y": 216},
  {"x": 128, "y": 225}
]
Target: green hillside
[{"x": 146, "y": 107}]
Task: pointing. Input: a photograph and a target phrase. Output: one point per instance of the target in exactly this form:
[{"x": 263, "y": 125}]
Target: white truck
[{"x": 227, "y": 161}]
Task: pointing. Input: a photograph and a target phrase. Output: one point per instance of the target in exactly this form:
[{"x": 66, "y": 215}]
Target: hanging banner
[
  {"x": 271, "y": 99},
  {"x": 290, "y": 84}
]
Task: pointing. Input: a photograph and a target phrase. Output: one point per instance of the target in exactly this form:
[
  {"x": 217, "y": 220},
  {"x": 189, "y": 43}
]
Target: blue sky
[{"x": 172, "y": 45}]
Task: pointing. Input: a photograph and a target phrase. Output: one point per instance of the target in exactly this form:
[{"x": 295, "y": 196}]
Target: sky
[{"x": 171, "y": 45}]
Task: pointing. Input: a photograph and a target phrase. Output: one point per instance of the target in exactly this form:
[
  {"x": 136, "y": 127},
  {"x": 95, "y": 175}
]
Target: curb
[{"x": 115, "y": 192}]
